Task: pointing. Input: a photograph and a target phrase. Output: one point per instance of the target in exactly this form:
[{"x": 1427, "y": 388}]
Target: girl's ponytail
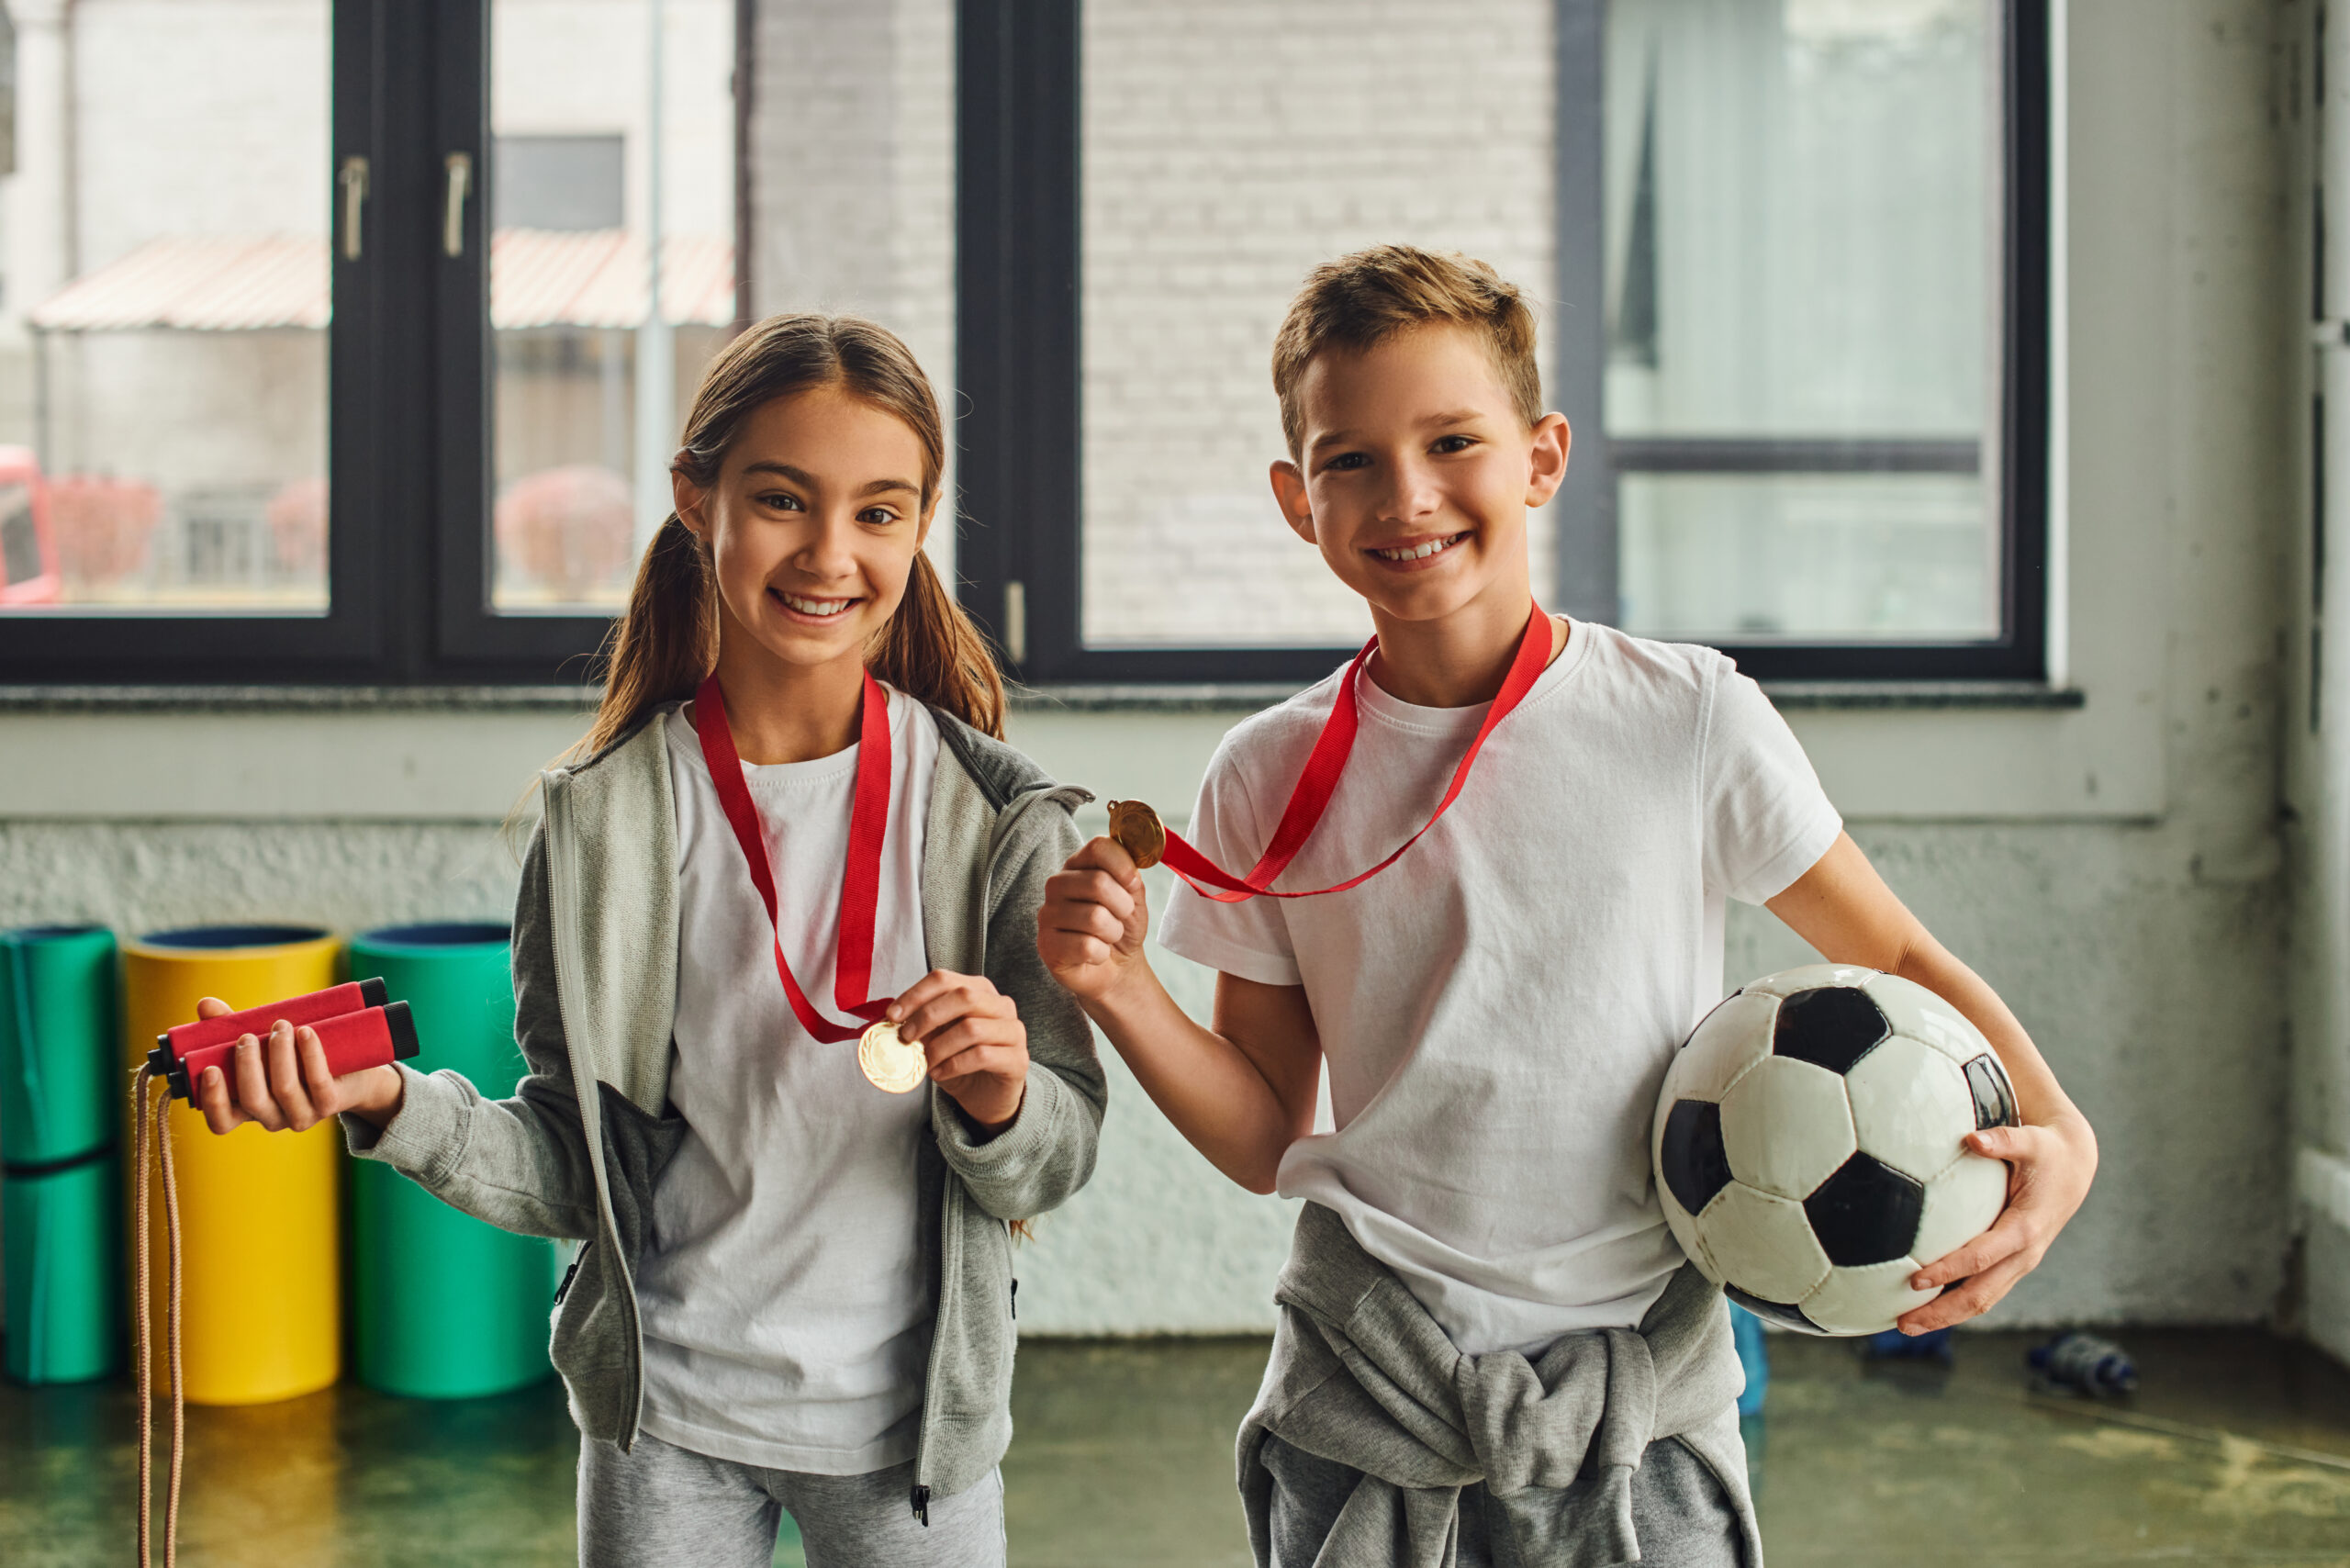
[
  {"x": 660, "y": 650},
  {"x": 666, "y": 642},
  {"x": 931, "y": 649}
]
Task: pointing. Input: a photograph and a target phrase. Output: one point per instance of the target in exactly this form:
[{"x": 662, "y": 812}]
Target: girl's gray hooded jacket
[{"x": 577, "y": 1149}]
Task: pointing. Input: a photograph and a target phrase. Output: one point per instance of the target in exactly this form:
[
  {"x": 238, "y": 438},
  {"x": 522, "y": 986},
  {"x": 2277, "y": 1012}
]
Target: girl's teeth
[{"x": 816, "y": 606}]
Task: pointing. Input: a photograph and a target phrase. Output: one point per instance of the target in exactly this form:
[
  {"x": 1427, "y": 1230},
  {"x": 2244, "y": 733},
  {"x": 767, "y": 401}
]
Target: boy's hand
[
  {"x": 283, "y": 1082},
  {"x": 2048, "y": 1170},
  {"x": 1090, "y": 925},
  {"x": 972, "y": 1034}
]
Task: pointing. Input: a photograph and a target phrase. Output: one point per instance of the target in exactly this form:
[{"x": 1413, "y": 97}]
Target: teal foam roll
[
  {"x": 59, "y": 1099},
  {"x": 60, "y": 1236},
  {"x": 64, "y": 1289},
  {"x": 446, "y": 1305}
]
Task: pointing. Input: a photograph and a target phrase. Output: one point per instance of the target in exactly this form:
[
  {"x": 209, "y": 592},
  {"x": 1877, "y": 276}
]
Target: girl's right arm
[
  {"x": 1243, "y": 1091},
  {"x": 520, "y": 1163}
]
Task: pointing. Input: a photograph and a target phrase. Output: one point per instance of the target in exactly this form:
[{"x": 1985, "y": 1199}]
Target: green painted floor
[{"x": 2237, "y": 1451}]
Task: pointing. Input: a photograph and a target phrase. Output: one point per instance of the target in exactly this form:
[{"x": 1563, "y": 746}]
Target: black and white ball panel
[
  {"x": 1960, "y": 1205},
  {"x": 1763, "y": 1243},
  {"x": 1788, "y": 1126},
  {"x": 1995, "y": 1097},
  {"x": 1865, "y": 1212},
  {"x": 1808, "y": 1144},
  {"x": 1914, "y": 1102},
  {"x": 1733, "y": 1037},
  {"x": 1914, "y": 1011},
  {"x": 1829, "y": 1026},
  {"x": 1863, "y": 1300},
  {"x": 1690, "y": 1157}
]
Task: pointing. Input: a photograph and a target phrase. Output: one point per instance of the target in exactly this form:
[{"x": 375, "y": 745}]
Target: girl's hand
[
  {"x": 977, "y": 1045},
  {"x": 2048, "y": 1170},
  {"x": 1090, "y": 927},
  {"x": 283, "y": 1083}
]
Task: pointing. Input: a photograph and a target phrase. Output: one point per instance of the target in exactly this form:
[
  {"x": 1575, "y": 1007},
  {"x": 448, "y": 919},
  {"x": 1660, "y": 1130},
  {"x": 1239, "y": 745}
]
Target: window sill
[
  {"x": 1230, "y": 698},
  {"x": 1807, "y": 695},
  {"x": 298, "y": 699}
]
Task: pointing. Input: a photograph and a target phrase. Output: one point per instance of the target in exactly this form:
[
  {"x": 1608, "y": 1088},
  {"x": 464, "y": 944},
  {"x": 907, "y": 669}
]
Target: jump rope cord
[{"x": 139, "y": 1118}]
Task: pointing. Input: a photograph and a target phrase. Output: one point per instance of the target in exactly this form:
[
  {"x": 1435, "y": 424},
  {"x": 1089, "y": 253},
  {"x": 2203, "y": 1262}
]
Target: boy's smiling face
[{"x": 1417, "y": 472}]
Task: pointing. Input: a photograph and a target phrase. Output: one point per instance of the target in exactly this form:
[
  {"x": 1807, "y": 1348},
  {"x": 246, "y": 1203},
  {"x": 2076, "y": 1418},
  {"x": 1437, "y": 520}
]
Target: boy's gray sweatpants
[
  {"x": 1679, "y": 1512},
  {"x": 659, "y": 1503}
]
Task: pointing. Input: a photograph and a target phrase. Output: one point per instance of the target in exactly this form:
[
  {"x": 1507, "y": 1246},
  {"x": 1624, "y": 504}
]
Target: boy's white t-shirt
[
  {"x": 1498, "y": 1008},
  {"x": 786, "y": 1299}
]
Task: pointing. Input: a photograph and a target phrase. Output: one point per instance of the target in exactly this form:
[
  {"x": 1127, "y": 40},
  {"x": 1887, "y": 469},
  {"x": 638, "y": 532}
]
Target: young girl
[{"x": 794, "y": 822}]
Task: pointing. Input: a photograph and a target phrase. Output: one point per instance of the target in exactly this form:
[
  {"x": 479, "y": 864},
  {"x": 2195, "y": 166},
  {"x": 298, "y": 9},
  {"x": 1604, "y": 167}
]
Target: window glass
[
  {"x": 163, "y": 300},
  {"x": 855, "y": 185},
  {"x": 1228, "y": 147},
  {"x": 1802, "y": 373},
  {"x": 613, "y": 160}
]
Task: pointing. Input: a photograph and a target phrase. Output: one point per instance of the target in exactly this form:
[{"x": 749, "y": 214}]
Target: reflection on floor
[{"x": 2236, "y": 1452}]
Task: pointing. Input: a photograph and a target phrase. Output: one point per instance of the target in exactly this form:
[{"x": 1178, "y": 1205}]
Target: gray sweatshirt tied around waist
[{"x": 1362, "y": 1375}]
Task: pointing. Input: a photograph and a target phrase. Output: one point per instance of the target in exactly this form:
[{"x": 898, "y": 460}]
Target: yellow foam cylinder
[{"x": 260, "y": 1314}]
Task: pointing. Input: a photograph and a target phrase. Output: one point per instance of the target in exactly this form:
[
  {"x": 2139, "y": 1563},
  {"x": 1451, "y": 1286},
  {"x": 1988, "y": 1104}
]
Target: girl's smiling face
[{"x": 813, "y": 523}]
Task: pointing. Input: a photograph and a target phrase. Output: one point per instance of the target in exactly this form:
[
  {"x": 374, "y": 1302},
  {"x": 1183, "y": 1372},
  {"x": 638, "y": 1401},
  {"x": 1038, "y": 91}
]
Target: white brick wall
[
  {"x": 1229, "y": 146},
  {"x": 853, "y": 175}
]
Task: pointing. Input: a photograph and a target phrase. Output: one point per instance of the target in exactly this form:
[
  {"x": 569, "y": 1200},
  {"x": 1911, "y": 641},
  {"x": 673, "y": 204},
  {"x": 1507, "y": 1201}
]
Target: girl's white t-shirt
[
  {"x": 786, "y": 1300},
  {"x": 1497, "y": 1009}
]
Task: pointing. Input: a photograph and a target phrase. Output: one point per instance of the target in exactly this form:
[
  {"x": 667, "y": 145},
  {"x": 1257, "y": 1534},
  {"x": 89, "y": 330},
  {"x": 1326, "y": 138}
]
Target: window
[
  {"x": 592, "y": 384},
  {"x": 397, "y": 255},
  {"x": 163, "y": 317},
  {"x": 368, "y": 367},
  {"x": 1794, "y": 255}
]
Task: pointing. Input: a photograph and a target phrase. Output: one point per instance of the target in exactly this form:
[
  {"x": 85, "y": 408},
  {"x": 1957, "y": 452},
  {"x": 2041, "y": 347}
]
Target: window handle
[
  {"x": 460, "y": 167},
  {"x": 1015, "y": 620},
  {"x": 353, "y": 180}
]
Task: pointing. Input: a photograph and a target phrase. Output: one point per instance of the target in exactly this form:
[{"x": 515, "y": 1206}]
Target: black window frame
[
  {"x": 410, "y": 449},
  {"x": 410, "y": 360},
  {"x": 1019, "y": 301}
]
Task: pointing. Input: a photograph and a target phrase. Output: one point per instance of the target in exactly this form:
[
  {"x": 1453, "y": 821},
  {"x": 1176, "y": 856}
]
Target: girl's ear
[
  {"x": 929, "y": 512},
  {"x": 690, "y": 500}
]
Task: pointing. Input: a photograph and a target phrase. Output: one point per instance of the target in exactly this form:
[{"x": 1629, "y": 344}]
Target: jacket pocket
[{"x": 637, "y": 1148}]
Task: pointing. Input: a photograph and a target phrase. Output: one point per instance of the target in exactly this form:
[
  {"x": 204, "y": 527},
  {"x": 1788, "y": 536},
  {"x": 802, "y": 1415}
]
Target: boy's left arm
[{"x": 1842, "y": 908}]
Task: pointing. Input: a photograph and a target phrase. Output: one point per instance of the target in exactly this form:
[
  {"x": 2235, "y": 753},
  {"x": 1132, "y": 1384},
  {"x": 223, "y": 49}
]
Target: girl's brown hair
[{"x": 666, "y": 642}]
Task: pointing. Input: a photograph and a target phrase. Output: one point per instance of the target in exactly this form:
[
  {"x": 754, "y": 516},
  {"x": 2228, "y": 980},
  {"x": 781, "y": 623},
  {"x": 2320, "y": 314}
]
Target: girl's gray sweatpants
[{"x": 659, "y": 1503}]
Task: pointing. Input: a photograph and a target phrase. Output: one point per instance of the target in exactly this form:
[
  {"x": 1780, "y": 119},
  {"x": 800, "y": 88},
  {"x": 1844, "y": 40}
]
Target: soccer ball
[{"x": 1807, "y": 1145}]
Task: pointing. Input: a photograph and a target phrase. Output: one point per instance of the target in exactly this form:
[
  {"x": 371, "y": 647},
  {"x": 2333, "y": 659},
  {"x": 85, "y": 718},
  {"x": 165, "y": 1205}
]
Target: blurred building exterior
[{"x": 163, "y": 283}]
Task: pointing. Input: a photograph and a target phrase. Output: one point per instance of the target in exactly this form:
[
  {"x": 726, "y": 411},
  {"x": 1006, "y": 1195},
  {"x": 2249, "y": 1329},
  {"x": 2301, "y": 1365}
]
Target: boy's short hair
[{"x": 1361, "y": 300}]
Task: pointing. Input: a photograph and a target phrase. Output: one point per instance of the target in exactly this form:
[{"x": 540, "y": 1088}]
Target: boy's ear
[
  {"x": 1554, "y": 438},
  {"x": 1289, "y": 492}
]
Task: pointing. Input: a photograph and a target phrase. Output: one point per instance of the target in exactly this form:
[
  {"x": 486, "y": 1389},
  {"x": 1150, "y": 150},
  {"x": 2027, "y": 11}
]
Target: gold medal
[
  {"x": 893, "y": 1064},
  {"x": 1138, "y": 832}
]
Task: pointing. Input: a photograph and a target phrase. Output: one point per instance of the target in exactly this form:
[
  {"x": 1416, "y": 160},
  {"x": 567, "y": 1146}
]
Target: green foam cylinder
[
  {"x": 447, "y": 1307},
  {"x": 61, "y": 1242}
]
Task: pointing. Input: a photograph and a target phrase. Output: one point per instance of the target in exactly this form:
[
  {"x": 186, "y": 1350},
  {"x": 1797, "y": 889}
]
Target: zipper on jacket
[
  {"x": 1016, "y": 1296},
  {"x": 564, "y": 1288},
  {"x": 921, "y": 1505}
]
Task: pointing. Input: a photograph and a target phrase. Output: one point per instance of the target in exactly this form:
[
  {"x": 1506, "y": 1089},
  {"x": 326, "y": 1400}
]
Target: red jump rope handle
[
  {"x": 373, "y": 1036},
  {"x": 315, "y": 1007}
]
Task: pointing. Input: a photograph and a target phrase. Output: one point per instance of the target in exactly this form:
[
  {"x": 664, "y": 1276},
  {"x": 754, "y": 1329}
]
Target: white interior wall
[{"x": 2115, "y": 870}]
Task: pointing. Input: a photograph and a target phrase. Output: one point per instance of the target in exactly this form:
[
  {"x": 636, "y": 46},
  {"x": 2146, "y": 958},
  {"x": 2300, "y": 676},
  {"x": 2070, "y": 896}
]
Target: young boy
[{"x": 1488, "y": 1349}]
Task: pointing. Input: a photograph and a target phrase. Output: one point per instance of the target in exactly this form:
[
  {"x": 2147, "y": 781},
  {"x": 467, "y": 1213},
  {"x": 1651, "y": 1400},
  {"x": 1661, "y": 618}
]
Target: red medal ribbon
[
  {"x": 868, "y": 821},
  {"x": 1328, "y": 760}
]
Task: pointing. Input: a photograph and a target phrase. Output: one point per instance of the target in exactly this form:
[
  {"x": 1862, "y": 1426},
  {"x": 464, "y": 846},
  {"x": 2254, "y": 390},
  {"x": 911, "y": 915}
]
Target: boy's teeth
[{"x": 1417, "y": 552}]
